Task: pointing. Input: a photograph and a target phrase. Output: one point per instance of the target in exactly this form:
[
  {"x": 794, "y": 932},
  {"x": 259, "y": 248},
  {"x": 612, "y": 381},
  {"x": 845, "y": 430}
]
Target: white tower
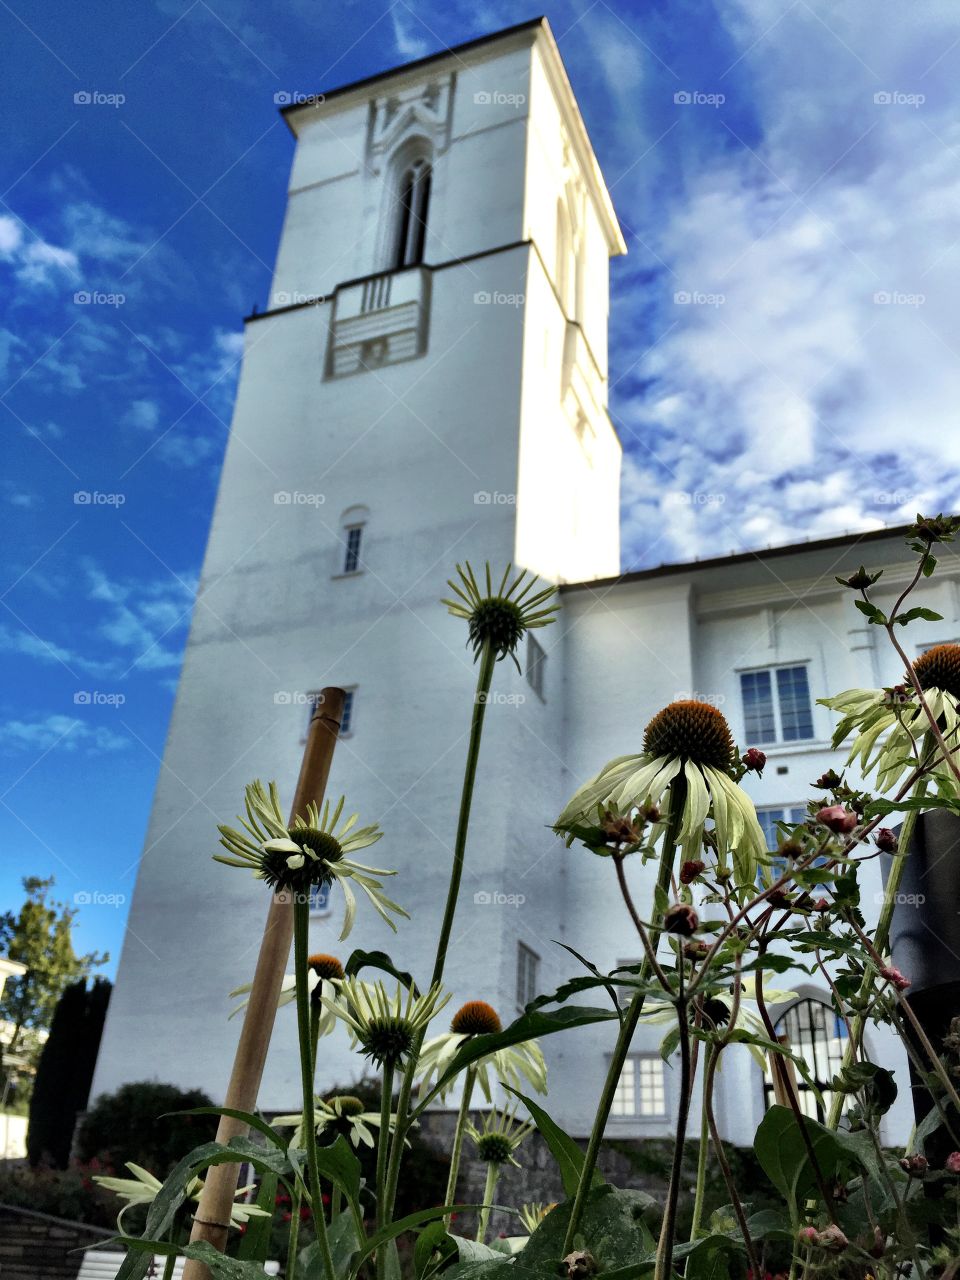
[{"x": 428, "y": 385}]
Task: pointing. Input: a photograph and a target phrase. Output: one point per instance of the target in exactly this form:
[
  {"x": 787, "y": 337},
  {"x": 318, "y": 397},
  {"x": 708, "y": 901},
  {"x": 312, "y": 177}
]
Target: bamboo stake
[{"x": 211, "y": 1222}]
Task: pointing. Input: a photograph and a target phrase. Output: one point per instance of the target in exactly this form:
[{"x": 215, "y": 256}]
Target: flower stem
[
  {"x": 700, "y": 1188},
  {"x": 629, "y": 1024},
  {"x": 462, "y": 1117},
  {"x": 296, "y": 1200},
  {"x": 493, "y": 1174},
  {"x": 664, "y": 1264},
  {"x": 301, "y": 929},
  {"x": 488, "y": 660},
  {"x": 383, "y": 1144},
  {"x": 880, "y": 938}
]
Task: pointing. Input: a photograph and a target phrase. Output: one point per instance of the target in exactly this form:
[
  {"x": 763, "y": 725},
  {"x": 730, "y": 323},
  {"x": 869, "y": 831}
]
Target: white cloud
[
  {"x": 59, "y": 732},
  {"x": 142, "y": 414},
  {"x": 821, "y": 392}
]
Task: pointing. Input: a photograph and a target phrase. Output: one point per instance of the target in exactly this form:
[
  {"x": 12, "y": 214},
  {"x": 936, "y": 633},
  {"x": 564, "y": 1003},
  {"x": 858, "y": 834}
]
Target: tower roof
[{"x": 534, "y": 30}]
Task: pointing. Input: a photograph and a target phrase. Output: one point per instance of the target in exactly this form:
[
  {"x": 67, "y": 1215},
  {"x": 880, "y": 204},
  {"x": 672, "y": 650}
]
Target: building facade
[{"x": 427, "y": 385}]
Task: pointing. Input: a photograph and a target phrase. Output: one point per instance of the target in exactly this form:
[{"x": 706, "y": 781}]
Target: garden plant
[{"x": 728, "y": 917}]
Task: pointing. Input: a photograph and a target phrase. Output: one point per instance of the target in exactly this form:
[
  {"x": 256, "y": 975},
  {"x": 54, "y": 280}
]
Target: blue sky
[{"x": 784, "y": 335}]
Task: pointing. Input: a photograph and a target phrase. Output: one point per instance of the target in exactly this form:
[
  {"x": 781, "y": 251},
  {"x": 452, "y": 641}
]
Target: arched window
[
  {"x": 811, "y": 1029},
  {"x": 352, "y": 529},
  {"x": 413, "y": 200}
]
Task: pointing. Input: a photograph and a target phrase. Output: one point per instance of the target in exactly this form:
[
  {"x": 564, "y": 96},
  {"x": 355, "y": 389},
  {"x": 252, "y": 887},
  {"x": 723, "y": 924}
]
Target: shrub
[{"x": 136, "y": 1123}]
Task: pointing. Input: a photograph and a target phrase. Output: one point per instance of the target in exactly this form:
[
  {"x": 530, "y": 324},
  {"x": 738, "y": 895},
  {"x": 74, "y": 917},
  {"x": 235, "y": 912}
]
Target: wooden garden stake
[{"x": 211, "y": 1222}]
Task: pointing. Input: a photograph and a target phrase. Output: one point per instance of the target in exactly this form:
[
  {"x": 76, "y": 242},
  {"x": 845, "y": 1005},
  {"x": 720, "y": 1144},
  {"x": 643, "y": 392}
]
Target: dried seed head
[
  {"x": 693, "y": 730},
  {"x": 681, "y": 919},
  {"x": 475, "y": 1018},
  {"x": 939, "y": 668},
  {"x": 324, "y": 966}
]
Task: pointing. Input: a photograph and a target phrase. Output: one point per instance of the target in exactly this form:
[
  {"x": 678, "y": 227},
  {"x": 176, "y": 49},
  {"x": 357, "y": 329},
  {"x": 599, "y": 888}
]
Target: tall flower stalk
[
  {"x": 628, "y": 1027},
  {"x": 301, "y": 946},
  {"x": 497, "y": 619}
]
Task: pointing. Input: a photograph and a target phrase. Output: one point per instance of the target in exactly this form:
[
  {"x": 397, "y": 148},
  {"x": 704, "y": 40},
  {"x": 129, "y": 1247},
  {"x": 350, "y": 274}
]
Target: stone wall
[
  {"x": 34, "y": 1246},
  {"x": 641, "y": 1164}
]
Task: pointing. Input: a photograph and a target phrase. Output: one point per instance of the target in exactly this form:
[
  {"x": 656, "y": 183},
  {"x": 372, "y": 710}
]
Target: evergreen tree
[{"x": 65, "y": 1072}]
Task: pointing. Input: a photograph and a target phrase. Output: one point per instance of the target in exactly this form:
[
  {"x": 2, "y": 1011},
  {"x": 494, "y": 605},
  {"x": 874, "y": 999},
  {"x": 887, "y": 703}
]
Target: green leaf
[
  {"x": 255, "y": 1241},
  {"x": 531, "y": 1025},
  {"x": 872, "y": 612},
  {"x": 359, "y": 960},
  {"x": 344, "y": 1243},
  {"x": 410, "y": 1223},
  {"x": 254, "y": 1121},
  {"x": 782, "y": 1153},
  {"x": 475, "y": 1250},
  {"x": 222, "y": 1268},
  {"x": 337, "y": 1163},
  {"x": 927, "y": 615},
  {"x": 616, "y": 1226},
  {"x": 563, "y": 1148},
  {"x": 433, "y": 1239}
]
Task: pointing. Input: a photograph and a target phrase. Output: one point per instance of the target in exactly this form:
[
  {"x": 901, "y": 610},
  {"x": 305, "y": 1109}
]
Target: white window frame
[
  {"x": 778, "y": 740},
  {"x": 346, "y": 569},
  {"x": 635, "y": 1061},
  {"x": 528, "y": 975}
]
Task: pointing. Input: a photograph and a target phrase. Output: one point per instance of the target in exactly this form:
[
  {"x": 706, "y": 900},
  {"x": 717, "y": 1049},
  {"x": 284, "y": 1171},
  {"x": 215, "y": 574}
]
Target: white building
[{"x": 429, "y": 384}]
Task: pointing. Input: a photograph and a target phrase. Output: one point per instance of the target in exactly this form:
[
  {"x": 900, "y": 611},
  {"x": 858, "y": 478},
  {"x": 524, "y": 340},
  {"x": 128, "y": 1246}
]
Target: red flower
[
  {"x": 837, "y": 818},
  {"x": 754, "y": 760},
  {"x": 896, "y": 977}
]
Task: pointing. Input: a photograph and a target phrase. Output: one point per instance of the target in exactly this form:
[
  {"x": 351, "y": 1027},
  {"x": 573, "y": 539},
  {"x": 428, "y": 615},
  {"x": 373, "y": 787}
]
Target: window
[
  {"x": 320, "y": 900},
  {"x": 528, "y": 972},
  {"x": 351, "y": 555},
  {"x": 814, "y": 1032},
  {"x": 536, "y": 666},
  {"x": 776, "y": 704},
  {"x": 642, "y": 1088},
  {"x": 769, "y": 816},
  {"x": 346, "y": 720},
  {"x": 413, "y": 199}
]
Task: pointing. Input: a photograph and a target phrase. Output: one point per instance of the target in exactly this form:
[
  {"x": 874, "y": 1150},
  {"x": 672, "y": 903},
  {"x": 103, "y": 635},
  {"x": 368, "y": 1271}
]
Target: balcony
[{"x": 379, "y": 320}]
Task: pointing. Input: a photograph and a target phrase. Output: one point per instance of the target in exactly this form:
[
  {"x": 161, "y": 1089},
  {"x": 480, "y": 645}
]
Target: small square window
[
  {"x": 776, "y": 705},
  {"x": 536, "y": 667},
  {"x": 320, "y": 900},
  {"x": 528, "y": 975},
  {"x": 351, "y": 554},
  {"x": 642, "y": 1088},
  {"x": 346, "y": 719}
]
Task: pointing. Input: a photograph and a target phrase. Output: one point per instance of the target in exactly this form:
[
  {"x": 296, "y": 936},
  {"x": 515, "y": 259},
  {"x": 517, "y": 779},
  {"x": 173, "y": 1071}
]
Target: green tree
[
  {"x": 65, "y": 1072},
  {"x": 40, "y": 937}
]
